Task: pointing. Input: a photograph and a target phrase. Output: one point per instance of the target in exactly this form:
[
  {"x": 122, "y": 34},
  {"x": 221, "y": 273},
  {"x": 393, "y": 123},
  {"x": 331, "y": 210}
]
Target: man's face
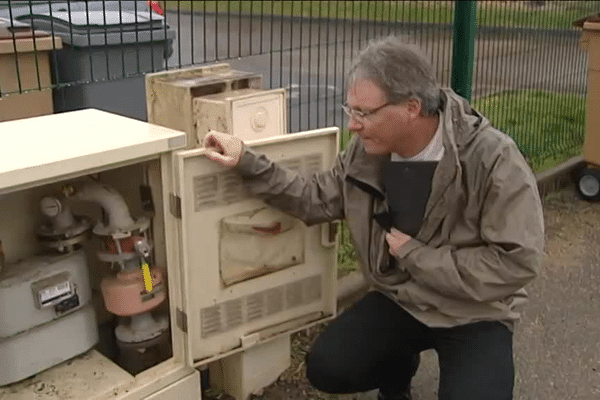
[{"x": 384, "y": 130}]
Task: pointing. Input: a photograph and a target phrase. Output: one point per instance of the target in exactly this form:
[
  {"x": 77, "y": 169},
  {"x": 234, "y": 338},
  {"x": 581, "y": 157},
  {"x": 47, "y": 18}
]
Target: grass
[
  {"x": 347, "y": 257},
  {"x": 547, "y": 127},
  {"x": 557, "y": 14}
]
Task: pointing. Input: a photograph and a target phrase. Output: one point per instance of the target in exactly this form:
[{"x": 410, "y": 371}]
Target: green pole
[{"x": 465, "y": 28}]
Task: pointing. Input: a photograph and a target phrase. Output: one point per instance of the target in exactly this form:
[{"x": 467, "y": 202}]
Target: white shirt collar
[{"x": 432, "y": 152}]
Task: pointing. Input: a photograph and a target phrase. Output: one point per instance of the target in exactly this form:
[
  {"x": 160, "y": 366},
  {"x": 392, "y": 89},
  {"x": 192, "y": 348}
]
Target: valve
[{"x": 142, "y": 247}]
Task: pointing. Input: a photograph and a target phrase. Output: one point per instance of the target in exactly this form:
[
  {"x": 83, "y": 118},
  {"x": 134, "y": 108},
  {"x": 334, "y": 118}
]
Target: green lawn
[
  {"x": 347, "y": 257},
  {"x": 547, "y": 127},
  {"x": 557, "y": 15}
]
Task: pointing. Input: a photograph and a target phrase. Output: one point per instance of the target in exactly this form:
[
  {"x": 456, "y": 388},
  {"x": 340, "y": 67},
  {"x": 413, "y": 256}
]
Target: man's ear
[{"x": 414, "y": 108}]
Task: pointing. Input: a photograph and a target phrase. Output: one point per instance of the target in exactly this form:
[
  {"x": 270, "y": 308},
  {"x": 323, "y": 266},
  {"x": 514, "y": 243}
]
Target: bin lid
[
  {"x": 17, "y": 36},
  {"x": 82, "y": 22},
  {"x": 17, "y": 30},
  {"x": 92, "y": 27}
]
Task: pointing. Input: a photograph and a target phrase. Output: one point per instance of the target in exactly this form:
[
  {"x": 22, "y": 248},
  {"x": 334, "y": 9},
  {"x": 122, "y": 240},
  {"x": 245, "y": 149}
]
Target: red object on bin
[{"x": 155, "y": 7}]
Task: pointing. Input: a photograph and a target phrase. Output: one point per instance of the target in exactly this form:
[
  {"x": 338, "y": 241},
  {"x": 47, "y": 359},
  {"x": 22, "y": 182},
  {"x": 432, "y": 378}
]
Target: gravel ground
[{"x": 557, "y": 344}]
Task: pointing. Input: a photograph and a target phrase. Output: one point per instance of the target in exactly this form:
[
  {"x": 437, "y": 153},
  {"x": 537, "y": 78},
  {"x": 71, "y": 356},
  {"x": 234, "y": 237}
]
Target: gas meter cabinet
[{"x": 106, "y": 221}]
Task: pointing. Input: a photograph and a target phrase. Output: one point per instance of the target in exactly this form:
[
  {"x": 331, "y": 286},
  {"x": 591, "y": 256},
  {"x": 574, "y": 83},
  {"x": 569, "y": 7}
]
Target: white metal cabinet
[
  {"x": 194, "y": 198},
  {"x": 39, "y": 156}
]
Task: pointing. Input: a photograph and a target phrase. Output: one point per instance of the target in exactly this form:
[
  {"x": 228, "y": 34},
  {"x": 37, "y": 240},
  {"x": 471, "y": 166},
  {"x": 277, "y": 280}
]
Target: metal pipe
[{"x": 111, "y": 201}]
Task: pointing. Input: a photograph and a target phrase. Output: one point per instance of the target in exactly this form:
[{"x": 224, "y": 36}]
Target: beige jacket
[{"x": 482, "y": 236}]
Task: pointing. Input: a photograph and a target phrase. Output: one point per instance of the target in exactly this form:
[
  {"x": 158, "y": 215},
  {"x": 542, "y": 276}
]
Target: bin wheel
[{"x": 588, "y": 184}]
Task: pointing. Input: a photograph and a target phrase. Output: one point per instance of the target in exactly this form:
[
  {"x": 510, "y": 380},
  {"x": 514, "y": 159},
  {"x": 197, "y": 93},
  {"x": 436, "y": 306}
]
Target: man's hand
[
  {"x": 223, "y": 148},
  {"x": 395, "y": 240}
]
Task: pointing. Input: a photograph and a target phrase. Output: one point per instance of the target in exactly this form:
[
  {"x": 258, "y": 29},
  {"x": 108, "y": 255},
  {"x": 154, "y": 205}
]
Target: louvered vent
[
  {"x": 217, "y": 190},
  {"x": 210, "y": 319},
  {"x": 274, "y": 301},
  {"x": 227, "y": 187},
  {"x": 305, "y": 165},
  {"x": 294, "y": 294},
  {"x": 295, "y": 164},
  {"x": 313, "y": 163},
  {"x": 233, "y": 313},
  {"x": 255, "y": 307}
]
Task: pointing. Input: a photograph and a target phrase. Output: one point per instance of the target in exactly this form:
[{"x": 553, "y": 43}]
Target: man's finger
[{"x": 210, "y": 141}]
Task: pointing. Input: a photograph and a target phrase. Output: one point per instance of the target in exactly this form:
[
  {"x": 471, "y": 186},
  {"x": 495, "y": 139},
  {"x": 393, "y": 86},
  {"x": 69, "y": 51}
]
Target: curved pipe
[
  {"x": 64, "y": 219},
  {"x": 111, "y": 201}
]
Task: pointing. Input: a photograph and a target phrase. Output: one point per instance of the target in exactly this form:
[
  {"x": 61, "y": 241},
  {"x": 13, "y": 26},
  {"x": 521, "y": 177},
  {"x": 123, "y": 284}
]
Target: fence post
[{"x": 465, "y": 28}]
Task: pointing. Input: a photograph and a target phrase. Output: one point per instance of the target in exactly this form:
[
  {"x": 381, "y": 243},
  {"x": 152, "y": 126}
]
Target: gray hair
[{"x": 400, "y": 70}]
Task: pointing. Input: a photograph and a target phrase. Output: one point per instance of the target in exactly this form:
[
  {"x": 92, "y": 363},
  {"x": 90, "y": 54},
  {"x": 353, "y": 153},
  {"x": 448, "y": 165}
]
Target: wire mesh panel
[
  {"x": 107, "y": 47},
  {"x": 530, "y": 75},
  {"x": 305, "y": 46},
  {"x": 527, "y": 55}
]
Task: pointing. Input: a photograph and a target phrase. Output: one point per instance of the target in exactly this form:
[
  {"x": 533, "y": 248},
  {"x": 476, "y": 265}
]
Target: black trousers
[{"x": 373, "y": 346}]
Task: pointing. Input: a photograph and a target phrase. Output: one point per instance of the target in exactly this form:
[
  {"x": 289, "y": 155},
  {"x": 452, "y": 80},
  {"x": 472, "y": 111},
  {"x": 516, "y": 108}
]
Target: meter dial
[
  {"x": 50, "y": 206},
  {"x": 259, "y": 121}
]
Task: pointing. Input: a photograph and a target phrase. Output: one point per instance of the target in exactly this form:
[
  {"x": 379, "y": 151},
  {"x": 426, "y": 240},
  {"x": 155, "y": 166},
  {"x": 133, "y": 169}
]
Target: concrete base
[{"x": 249, "y": 371}]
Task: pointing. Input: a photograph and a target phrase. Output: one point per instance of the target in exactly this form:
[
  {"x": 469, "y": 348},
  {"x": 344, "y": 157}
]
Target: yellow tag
[{"x": 147, "y": 277}]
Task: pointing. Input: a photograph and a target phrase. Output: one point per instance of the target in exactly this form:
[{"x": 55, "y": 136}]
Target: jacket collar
[
  {"x": 449, "y": 166},
  {"x": 365, "y": 170}
]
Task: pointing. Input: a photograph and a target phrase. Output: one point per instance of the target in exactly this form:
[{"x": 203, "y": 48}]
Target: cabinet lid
[{"x": 44, "y": 149}]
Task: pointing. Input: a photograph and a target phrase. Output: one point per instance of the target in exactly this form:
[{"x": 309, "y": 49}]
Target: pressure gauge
[{"x": 50, "y": 206}]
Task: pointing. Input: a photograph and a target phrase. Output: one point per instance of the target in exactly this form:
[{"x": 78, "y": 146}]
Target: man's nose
[{"x": 354, "y": 124}]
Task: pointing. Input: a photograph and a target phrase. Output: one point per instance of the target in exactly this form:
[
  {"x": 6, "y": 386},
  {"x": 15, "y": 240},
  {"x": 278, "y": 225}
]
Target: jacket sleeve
[
  {"x": 512, "y": 230},
  {"x": 313, "y": 199}
]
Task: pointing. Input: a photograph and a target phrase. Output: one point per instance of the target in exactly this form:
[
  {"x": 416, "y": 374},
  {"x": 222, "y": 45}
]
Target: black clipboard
[{"x": 408, "y": 186}]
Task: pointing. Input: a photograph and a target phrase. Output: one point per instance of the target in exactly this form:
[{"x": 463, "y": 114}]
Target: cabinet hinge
[
  {"x": 182, "y": 320},
  {"x": 175, "y": 205}
]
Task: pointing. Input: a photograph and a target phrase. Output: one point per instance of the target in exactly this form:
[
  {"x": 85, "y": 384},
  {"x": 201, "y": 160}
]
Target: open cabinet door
[{"x": 249, "y": 271}]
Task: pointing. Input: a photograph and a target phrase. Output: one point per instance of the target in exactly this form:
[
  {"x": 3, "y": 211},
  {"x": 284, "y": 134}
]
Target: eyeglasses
[{"x": 359, "y": 114}]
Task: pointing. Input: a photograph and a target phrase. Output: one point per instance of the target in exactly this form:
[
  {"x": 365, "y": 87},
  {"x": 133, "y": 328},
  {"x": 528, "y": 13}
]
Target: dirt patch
[{"x": 568, "y": 222}]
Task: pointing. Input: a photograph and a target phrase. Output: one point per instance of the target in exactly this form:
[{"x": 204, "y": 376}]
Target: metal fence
[{"x": 529, "y": 76}]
